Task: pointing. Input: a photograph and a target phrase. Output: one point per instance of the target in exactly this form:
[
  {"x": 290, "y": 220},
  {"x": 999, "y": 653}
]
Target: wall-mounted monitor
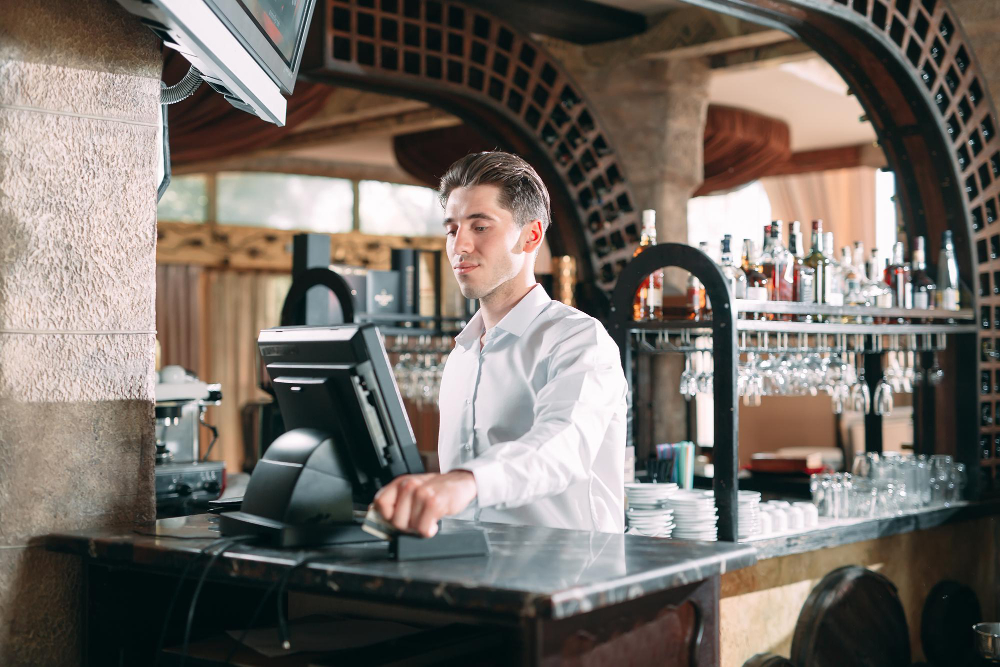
[{"x": 247, "y": 50}]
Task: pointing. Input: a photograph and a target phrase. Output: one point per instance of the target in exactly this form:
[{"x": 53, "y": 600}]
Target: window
[
  {"x": 741, "y": 213},
  {"x": 186, "y": 200},
  {"x": 885, "y": 212},
  {"x": 403, "y": 210},
  {"x": 285, "y": 201}
]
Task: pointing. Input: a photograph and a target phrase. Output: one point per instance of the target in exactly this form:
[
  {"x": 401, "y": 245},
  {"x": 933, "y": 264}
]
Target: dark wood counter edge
[
  {"x": 248, "y": 565},
  {"x": 836, "y": 536}
]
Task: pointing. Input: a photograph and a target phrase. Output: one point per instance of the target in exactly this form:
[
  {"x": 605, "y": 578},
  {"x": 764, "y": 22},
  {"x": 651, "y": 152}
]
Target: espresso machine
[{"x": 185, "y": 482}]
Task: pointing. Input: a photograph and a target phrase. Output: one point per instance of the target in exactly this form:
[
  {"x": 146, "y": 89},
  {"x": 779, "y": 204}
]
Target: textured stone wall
[
  {"x": 79, "y": 86},
  {"x": 981, "y": 21},
  {"x": 761, "y": 604}
]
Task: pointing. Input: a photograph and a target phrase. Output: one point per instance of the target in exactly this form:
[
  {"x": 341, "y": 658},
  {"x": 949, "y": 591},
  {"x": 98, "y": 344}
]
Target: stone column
[
  {"x": 981, "y": 22},
  {"x": 79, "y": 88},
  {"x": 654, "y": 112}
]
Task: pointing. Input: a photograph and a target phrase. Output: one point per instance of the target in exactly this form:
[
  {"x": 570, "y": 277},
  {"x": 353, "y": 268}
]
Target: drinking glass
[
  {"x": 688, "y": 384},
  {"x": 883, "y": 397}
]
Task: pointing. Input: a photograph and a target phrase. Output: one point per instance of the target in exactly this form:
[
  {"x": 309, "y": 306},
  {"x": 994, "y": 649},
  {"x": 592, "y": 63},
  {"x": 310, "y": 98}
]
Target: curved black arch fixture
[
  {"x": 724, "y": 351},
  {"x": 290, "y": 312}
]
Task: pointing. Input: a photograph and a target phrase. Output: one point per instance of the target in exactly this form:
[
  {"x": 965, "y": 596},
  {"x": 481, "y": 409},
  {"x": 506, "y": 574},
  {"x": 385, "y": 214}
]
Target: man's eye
[
  {"x": 450, "y": 232},
  {"x": 481, "y": 229}
]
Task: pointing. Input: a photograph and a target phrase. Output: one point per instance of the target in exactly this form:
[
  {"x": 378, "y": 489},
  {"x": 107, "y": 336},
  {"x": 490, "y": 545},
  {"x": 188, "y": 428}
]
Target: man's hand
[{"x": 415, "y": 503}]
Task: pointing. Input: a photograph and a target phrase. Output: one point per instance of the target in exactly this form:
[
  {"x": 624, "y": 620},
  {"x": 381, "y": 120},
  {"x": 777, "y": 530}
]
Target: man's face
[{"x": 485, "y": 245}]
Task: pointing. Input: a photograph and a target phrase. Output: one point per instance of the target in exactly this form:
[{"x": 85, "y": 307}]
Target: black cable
[
  {"x": 177, "y": 592},
  {"x": 263, "y": 601},
  {"x": 282, "y": 585},
  {"x": 215, "y": 435},
  {"x": 201, "y": 582}
]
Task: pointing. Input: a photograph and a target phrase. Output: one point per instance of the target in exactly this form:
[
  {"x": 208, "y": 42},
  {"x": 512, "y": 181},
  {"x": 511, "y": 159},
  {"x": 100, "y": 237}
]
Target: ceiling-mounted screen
[{"x": 247, "y": 50}]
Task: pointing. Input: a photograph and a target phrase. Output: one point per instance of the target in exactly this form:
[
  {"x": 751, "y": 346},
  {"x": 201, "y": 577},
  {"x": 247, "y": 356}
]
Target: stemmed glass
[
  {"x": 689, "y": 383},
  {"x": 883, "y": 397},
  {"x": 706, "y": 378},
  {"x": 754, "y": 383},
  {"x": 935, "y": 374},
  {"x": 860, "y": 395}
]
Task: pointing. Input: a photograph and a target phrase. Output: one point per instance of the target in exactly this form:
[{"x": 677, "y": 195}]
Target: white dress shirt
[{"x": 537, "y": 414}]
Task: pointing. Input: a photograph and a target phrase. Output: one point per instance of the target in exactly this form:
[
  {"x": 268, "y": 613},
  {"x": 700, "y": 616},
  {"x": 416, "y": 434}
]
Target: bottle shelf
[{"x": 795, "y": 308}]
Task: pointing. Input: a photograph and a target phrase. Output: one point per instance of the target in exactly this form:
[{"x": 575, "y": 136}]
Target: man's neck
[{"x": 496, "y": 305}]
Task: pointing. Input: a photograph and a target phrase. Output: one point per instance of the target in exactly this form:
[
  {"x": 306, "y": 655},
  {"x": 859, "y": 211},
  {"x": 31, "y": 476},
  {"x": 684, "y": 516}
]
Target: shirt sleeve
[{"x": 585, "y": 387}]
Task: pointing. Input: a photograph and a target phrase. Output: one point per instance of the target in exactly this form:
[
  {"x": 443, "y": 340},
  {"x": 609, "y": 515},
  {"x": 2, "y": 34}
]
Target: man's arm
[
  {"x": 585, "y": 388},
  {"x": 572, "y": 412}
]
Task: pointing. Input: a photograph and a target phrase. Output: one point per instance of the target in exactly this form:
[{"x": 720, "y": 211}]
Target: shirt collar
[{"x": 515, "y": 322}]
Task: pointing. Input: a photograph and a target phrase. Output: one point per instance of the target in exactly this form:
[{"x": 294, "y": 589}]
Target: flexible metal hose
[{"x": 183, "y": 89}]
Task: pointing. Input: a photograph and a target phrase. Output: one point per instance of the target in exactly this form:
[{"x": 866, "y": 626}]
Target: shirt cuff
[{"x": 489, "y": 481}]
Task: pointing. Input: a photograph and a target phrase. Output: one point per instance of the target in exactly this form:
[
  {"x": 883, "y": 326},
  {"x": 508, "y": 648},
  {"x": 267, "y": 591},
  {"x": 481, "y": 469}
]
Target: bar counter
[{"x": 553, "y": 593}]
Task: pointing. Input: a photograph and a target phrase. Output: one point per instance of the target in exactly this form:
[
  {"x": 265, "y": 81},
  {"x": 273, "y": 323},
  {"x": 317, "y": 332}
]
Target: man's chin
[{"x": 470, "y": 291}]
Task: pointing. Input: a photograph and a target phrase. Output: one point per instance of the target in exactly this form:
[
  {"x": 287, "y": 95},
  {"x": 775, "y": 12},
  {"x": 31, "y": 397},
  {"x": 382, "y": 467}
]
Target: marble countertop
[
  {"x": 530, "y": 572},
  {"x": 835, "y": 533}
]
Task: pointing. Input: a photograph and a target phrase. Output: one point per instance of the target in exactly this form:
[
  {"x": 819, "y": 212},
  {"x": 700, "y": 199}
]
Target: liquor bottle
[
  {"x": 947, "y": 283},
  {"x": 897, "y": 277},
  {"x": 735, "y": 277},
  {"x": 766, "y": 261},
  {"x": 853, "y": 283},
  {"x": 876, "y": 291},
  {"x": 697, "y": 300},
  {"x": 797, "y": 254},
  {"x": 820, "y": 264},
  {"x": 756, "y": 281},
  {"x": 835, "y": 286},
  {"x": 783, "y": 280},
  {"x": 923, "y": 287},
  {"x": 648, "y": 304},
  {"x": 858, "y": 260}
]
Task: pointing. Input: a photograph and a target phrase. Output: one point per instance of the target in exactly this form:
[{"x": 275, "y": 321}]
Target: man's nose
[{"x": 463, "y": 241}]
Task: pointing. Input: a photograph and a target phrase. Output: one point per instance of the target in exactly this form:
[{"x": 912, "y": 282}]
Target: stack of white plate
[
  {"x": 648, "y": 512},
  {"x": 749, "y": 514},
  {"x": 695, "y": 515}
]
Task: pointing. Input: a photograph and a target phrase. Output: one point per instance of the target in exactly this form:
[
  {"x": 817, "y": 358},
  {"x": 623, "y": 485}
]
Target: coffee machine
[{"x": 185, "y": 483}]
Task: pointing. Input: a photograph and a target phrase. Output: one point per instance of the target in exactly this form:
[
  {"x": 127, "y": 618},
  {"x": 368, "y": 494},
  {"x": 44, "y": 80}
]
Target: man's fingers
[
  {"x": 404, "y": 502},
  {"x": 385, "y": 499},
  {"x": 427, "y": 523}
]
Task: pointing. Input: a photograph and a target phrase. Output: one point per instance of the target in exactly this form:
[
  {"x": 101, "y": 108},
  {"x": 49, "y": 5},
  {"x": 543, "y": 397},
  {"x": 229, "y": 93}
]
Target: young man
[{"x": 533, "y": 396}]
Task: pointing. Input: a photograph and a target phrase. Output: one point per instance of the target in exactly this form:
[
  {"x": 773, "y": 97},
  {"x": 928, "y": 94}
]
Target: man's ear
[{"x": 532, "y": 235}]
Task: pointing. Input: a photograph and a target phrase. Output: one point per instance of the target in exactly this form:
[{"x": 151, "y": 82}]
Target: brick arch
[{"x": 511, "y": 89}]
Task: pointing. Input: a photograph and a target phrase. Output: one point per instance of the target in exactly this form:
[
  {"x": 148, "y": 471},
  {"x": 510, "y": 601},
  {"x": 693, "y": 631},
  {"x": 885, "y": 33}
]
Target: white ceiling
[{"x": 808, "y": 94}]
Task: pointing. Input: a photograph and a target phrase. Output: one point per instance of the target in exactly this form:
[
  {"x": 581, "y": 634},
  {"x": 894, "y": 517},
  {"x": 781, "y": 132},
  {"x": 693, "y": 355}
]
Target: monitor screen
[
  {"x": 272, "y": 31},
  {"x": 280, "y": 20},
  {"x": 337, "y": 380}
]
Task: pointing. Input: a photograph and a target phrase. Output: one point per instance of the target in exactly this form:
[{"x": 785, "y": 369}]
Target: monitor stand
[
  {"x": 280, "y": 534},
  {"x": 447, "y": 544}
]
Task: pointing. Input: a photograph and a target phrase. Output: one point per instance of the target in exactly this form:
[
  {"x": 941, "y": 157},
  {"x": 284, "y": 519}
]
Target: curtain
[
  {"x": 179, "y": 313},
  {"x": 207, "y": 127},
  {"x": 741, "y": 146},
  {"x": 844, "y": 199},
  {"x": 239, "y": 305}
]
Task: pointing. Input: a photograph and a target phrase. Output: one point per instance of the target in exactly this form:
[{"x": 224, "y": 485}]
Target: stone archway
[{"x": 907, "y": 61}]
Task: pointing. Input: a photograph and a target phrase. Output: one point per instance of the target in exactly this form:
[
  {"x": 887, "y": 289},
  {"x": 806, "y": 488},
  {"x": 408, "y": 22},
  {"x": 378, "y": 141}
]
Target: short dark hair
[{"x": 521, "y": 189}]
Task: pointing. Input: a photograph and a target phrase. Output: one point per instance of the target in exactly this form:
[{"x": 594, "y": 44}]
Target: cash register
[{"x": 347, "y": 436}]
